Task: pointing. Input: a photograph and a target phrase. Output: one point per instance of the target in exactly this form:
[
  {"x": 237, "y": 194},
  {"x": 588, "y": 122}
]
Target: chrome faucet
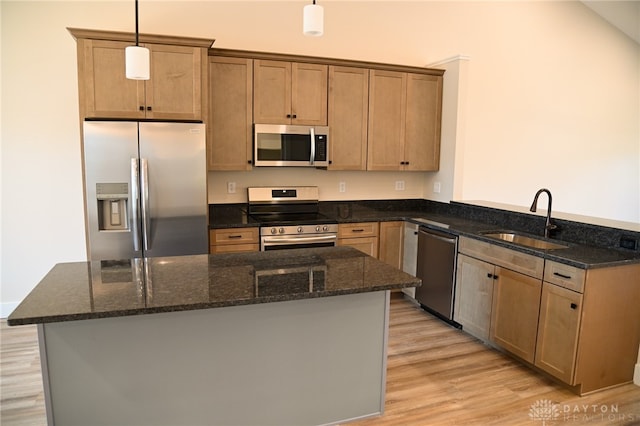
[{"x": 548, "y": 226}]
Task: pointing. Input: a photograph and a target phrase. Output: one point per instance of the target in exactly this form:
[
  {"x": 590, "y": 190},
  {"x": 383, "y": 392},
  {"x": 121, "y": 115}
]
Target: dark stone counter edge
[{"x": 209, "y": 305}]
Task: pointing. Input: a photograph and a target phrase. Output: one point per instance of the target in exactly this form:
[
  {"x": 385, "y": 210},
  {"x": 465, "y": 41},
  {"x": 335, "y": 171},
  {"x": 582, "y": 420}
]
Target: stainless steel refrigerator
[{"x": 145, "y": 189}]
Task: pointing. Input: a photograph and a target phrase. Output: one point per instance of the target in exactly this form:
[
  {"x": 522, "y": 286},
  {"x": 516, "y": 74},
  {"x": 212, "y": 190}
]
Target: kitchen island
[{"x": 282, "y": 337}]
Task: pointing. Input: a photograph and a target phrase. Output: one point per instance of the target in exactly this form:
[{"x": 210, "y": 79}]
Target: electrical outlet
[
  {"x": 437, "y": 187},
  {"x": 628, "y": 242},
  {"x": 231, "y": 187},
  {"x": 399, "y": 185},
  {"x": 342, "y": 187}
]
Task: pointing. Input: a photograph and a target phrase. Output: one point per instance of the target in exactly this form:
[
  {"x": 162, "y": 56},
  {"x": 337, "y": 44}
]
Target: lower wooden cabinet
[
  {"x": 230, "y": 240},
  {"x": 514, "y": 312},
  {"x": 580, "y": 326},
  {"x": 474, "y": 295},
  {"x": 391, "y": 243},
  {"x": 560, "y": 312},
  {"x": 362, "y": 236}
]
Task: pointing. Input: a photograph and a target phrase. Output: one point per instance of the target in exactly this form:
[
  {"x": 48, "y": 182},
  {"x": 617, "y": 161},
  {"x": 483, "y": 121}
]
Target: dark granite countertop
[
  {"x": 450, "y": 219},
  {"x": 90, "y": 290}
]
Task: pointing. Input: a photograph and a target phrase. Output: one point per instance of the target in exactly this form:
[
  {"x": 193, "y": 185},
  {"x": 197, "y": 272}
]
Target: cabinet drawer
[
  {"x": 564, "y": 276},
  {"x": 356, "y": 230},
  {"x": 234, "y": 236},
  {"x": 233, "y": 248},
  {"x": 368, "y": 245},
  {"x": 507, "y": 258}
]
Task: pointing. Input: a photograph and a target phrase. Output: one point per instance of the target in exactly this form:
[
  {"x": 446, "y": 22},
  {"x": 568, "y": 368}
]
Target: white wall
[{"x": 551, "y": 100}]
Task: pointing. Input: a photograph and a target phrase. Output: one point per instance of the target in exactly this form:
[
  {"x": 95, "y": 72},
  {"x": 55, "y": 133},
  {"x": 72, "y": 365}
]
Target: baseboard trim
[
  {"x": 6, "y": 308},
  {"x": 636, "y": 375}
]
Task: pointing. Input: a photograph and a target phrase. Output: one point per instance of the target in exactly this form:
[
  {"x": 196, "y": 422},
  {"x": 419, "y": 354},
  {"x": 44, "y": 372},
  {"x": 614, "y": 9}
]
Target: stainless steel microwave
[{"x": 290, "y": 146}]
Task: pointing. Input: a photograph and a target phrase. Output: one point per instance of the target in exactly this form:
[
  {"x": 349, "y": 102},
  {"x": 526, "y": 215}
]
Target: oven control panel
[{"x": 299, "y": 229}]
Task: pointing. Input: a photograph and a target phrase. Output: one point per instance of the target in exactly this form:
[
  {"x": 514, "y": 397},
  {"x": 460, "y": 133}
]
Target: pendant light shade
[
  {"x": 137, "y": 62},
  {"x": 136, "y": 58},
  {"x": 313, "y": 20}
]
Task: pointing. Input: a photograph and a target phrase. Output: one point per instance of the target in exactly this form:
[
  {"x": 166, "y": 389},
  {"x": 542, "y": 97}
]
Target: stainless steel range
[{"x": 290, "y": 218}]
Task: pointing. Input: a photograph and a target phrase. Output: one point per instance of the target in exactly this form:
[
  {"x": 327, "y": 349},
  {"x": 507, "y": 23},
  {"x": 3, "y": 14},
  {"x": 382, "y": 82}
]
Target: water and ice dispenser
[{"x": 113, "y": 199}]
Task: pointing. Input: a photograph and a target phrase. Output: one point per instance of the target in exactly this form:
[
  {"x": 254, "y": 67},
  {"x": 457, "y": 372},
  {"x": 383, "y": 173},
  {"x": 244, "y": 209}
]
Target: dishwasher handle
[{"x": 448, "y": 238}]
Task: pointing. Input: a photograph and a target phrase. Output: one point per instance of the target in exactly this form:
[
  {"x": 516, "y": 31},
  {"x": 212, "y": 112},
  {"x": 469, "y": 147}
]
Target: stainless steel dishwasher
[{"x": 436, "y": 268}]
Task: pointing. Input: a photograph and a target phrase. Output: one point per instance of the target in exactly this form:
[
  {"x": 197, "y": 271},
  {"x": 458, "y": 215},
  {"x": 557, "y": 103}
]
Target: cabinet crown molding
[
  {"x": 248, "y": 54},
  {"x": 82, "y": 33}
]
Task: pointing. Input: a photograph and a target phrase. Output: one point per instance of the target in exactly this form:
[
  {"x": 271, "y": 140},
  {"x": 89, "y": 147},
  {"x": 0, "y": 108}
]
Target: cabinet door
[
  {"x": 474, "y": 294},
  {"x": 175, "y": 88},
  {"x": 103, "y": 86},
  {"x": 309, "y": 94},
  {"x": 387, "y": 111},
  {"x": 391, "y": 243},
  {"x": 272, "y": 92},
  {"x": 560, "y": 311},
  {"x": 422, "y": 126},
  {"x": 348, "y": 117},
  {"x": 514, "y": 315},
  {"x": 230, "y": 113}
]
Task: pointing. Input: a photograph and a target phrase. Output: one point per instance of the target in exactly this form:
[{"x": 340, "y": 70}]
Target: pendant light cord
[{"x": 137, "y": 22}]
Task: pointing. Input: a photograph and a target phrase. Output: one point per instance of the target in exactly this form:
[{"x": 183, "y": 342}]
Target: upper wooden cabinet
[
  {"x": 230, "y": 136},
  {"x": 290, "y": 93},
  {"x": 404, "y": 121},
  {"x": 176, "y": 90},
  {"x": 348, "y": 117}
]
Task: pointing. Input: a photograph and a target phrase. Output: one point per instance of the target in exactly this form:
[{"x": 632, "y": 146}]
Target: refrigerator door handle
[
  {"x": 135, "y": 200},
  {"x": 144, "y": 192}
]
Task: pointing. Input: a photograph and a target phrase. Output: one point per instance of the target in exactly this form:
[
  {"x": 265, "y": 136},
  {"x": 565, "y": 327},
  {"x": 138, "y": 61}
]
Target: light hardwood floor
[{"x": 436, "y": 375}]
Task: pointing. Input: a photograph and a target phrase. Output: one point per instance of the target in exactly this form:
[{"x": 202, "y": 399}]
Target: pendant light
[
  {"x": 137, "y": 58},
  {"x": 313, "y": 20}
]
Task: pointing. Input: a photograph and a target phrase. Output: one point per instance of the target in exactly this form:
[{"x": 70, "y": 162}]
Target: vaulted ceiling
[{"x": 625, "y": 15}]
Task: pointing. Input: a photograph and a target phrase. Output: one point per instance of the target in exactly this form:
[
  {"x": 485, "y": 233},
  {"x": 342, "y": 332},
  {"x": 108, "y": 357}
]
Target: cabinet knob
[
  {"x": 141, "y": 107},
  {"x": 574, "y": 306},
  {"x": 288, "y": 115},
  {"x": 295, "y": 115},
  {"x": 148, "y": 108},
  {"x": 249, "y": 162}
]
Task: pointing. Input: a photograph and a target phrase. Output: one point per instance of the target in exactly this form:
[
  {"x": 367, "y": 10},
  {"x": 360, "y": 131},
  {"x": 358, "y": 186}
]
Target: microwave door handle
[{"x": 312, "y": 131}]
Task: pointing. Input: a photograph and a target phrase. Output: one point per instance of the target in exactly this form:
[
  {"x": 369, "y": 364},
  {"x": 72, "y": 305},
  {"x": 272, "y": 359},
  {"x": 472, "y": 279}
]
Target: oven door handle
[{"x": 290, "y": 240}]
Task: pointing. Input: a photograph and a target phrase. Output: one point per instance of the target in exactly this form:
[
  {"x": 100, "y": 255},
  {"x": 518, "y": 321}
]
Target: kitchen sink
[{"x": 523, "y": 240}]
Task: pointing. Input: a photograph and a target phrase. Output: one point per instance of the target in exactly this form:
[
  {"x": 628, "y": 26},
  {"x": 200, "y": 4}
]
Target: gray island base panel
[
  {"x": 303, "y": 362},
  {"x": 288, "y": 337}
]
